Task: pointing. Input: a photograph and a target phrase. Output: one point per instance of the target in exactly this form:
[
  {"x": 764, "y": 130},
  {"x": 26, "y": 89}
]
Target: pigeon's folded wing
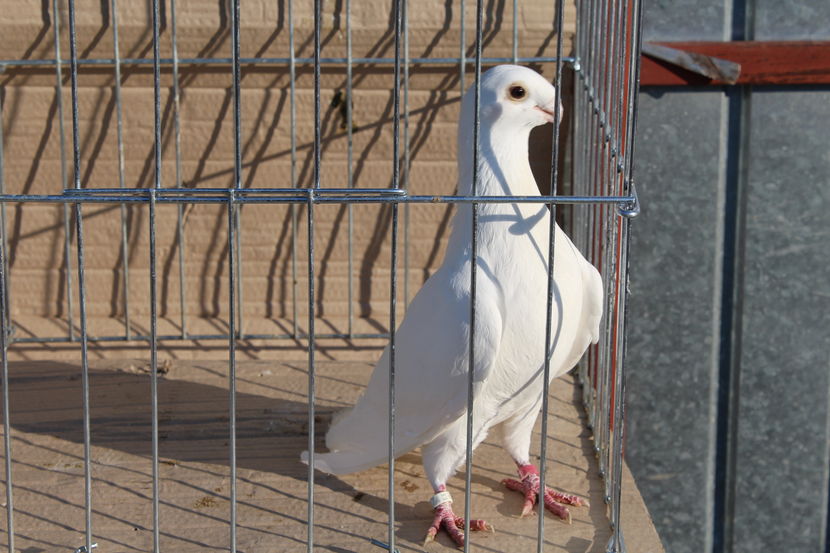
[{"x": 431, "y": 368}]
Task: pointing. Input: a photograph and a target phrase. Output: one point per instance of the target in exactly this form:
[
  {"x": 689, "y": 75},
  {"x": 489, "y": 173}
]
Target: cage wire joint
[{"x": 631, "y": 208}]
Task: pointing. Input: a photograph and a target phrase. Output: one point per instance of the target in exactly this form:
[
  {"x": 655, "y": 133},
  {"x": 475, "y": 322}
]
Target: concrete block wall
[{"x": 32, "y": 148}]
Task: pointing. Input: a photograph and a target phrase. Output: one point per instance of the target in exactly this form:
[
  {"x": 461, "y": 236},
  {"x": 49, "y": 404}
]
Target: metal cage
[{"x": 599, "y": 201}]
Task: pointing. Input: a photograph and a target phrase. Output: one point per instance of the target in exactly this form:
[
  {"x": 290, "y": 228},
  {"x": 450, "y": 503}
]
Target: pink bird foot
[
  {"x": 529, "y": 486},
  {"x": 445, "y": 518}
]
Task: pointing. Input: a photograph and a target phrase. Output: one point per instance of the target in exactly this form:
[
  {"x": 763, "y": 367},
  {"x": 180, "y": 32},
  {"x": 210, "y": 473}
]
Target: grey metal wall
[{"x": 729, "y": 348}]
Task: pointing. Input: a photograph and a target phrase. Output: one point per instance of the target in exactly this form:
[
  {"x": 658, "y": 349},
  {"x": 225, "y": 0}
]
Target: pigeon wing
[{"x": 431, "y": 368}]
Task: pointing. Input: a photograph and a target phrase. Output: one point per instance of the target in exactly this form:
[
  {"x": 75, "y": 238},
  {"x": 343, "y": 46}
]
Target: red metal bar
[{"x": 762, "y": 63}]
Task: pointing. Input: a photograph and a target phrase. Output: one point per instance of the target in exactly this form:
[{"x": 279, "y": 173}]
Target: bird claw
[
  {"x": 554, "y": 501},
  {"x": 454, "y": 525}
]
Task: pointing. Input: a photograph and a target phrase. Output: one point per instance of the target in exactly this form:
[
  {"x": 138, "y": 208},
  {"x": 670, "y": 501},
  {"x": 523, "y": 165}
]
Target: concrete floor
[{"x": 194, "y": 483}]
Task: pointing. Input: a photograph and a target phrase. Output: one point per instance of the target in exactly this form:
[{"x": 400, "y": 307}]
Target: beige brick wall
[{"x": 32, "y": 151}]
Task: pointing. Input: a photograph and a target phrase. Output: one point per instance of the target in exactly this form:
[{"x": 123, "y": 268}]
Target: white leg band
[{"x": 440, "y": 498}]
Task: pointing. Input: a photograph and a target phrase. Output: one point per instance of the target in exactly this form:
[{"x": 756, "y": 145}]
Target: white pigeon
[{"x": 432, "y": 360}]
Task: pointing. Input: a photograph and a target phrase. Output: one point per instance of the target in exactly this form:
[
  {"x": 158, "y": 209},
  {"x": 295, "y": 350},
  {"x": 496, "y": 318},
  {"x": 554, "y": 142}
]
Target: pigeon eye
[{"x": 517, "y": 92}]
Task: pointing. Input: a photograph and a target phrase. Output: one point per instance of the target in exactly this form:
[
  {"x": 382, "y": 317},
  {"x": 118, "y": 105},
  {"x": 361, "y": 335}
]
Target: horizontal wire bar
[
  {"x": 282, "y": 61},
  {"x": 241, "y": 191},
  {"x": 196, "y": 337},
  {"x": 284, "y": 197}
]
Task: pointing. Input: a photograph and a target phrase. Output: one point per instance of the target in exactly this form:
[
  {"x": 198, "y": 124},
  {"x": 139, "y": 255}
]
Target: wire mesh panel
[{"x": 285, "y": 182}]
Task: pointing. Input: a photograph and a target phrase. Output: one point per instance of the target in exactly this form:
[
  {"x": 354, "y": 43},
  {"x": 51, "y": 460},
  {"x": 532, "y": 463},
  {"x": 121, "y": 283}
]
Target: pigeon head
[{"x": 513, "y": 98}]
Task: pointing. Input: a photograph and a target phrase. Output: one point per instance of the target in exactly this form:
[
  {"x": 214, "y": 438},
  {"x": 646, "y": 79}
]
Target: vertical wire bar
[
  {"x": 468, "y": 476},
  {"x": 292, "y": 71},
  {"x": 462, "y": 69},
  {"x": 350, "y": 160},
  {"x": 317, "y": 112},
  {"x": 310, "y": 221},
  {"x": 393, "y": 285},
  {"x": 577, "y": 172},
  {"x": 4, "y": 266},
  {"x": 154, "y": 404},
  {"x": 392, "y": 358},
  {"x": 612, "y": 236},
  {"x": 540, "y": 538},
  {"x": 180, "y": 237},
  {"x": 76, "y": 165},
  {"x": 634, "y": 84},
  {"x": 5, "y": 332},
  {"x": 237, "y": 151},
  {"x": 604, "y": 241},
  {"x": 515, "y": 32},
  {"x": 617, "y": 260},
  {"x": 596, "y": 239},
  {"x": 406, "y": 153},
  {"x": 119, "y": 117},
  {"x": 593, "y": 146},
  {"x": 633, "y": 87},
  {"x": 156, "y": 97},
  {"x": 153, "y": 276},
  {"x": 611, "y": 241},
  {"x": 312, "y": 369},
  {"x": 619, "y": 429},
  {"x": 67, "y": 231},
  {"x": 589, "y": 149},
  {"x": 232, "y": 334}
]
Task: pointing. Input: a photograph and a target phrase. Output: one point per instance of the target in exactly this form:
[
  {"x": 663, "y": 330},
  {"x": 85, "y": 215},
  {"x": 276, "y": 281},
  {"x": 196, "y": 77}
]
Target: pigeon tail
[{"x": 344, "y": 462}]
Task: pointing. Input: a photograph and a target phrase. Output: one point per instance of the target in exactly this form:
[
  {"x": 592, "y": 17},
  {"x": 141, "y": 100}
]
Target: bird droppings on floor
[{"x": 194, "y": 473}]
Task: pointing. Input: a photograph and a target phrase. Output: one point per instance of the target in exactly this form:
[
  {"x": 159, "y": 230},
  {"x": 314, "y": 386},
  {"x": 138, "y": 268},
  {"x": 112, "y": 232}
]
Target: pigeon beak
[{"x": 548, "y": 112}]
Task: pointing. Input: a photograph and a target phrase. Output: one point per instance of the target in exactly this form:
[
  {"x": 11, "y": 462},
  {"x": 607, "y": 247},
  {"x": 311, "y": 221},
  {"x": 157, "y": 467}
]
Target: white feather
[{"x": 432, "y": 360}]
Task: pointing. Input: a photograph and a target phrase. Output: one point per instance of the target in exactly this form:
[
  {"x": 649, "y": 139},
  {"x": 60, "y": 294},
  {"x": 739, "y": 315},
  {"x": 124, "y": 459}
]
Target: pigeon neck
[{"x": 503, "y": 164}]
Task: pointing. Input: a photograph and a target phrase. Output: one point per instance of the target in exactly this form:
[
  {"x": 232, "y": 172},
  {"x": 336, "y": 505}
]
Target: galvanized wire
[
  {"x": 76, "y": 163},
  {"x": 349, "y": 170},
  {"x": 311, "y": 292},
  {"x": 554, "y": 175},
  {"x": 154, "y": 402},
  {"x": 67, "y": 233},
  {"x": 237, "y": 152},
  {"x": 180, "y": 237},
  {"x": 153, "y": 276},
  {"x": 119, "y": 118},
  {"x": 5, "y": 331},
  {"x": 468, "y": 472},
  {"x": 232, "y": 337},
  {"x": 283, "y": 61},
  {"x": 393, "y": 285}
]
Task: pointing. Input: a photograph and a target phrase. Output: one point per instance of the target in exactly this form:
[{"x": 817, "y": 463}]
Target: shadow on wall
[{"x": 264, "y": 144}]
